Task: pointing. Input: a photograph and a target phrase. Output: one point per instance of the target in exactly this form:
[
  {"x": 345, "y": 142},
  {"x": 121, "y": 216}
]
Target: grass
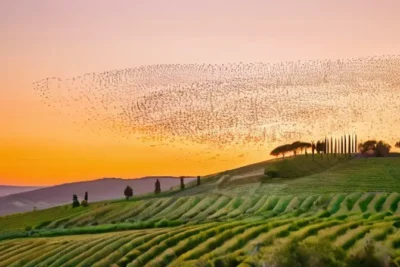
[{"x": 301, "y": 166}]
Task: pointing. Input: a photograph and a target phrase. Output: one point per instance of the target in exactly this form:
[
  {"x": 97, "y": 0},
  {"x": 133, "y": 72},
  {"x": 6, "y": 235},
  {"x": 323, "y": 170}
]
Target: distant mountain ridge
[
  {"x": 98, "y": 190},
  {"x": 11, "y": 189}
]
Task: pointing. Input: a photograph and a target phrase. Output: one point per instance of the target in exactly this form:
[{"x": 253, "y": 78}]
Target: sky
[{"x": 39, "y": 39}]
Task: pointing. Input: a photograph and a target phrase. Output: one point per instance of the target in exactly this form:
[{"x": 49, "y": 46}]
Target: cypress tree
[
  {"x": 355, "y": 144},
  {"x": 313, "y": 150},
  {"x": 86, "y": 196},
  {"x": 326, "y": 148},
  {"x": 335, "y": 147},
  {"x": 322, "y": 149},
  {"x": 182, "y": 183},
  {"x": 75, "y": 201},
  {"x": 345, "y": 144},
  {"x": 349, "y": 144},
  {"x": 331, "y": 146},
  {"x": 198, "y": 180},
  {"x": 341, "y": 145},
  {"x": 157, "y": 189}
]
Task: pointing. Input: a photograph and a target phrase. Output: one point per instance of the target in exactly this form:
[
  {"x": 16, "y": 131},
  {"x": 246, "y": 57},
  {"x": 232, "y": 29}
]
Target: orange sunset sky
[{"x": 39, "y": 39}]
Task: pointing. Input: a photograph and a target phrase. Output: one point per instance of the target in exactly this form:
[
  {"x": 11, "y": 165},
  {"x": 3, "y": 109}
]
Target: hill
[
  {"x": 238, "y": 217},
  {"x": 325, "y": 175},
  {"x": 356, "y": 175},
  {"x": 9, "y": 190},
  {"x": 102, "y": 189}
]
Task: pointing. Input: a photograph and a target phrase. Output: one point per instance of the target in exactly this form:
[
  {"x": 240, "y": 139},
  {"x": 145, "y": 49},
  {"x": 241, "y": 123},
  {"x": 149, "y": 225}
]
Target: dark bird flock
[{"x": 235, "y": 105}]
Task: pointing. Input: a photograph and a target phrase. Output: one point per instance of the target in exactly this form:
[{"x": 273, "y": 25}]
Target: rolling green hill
[{"x": 236, "y": 218}]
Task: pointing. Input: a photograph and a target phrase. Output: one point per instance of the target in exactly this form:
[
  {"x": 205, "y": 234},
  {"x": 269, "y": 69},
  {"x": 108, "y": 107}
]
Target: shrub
[
  {"x": 28, "y": 228},
  {"x": 364, "y": 203},
  {"x": 393, "y": 205},
  {"x": 323, "y": 214},
  {"x": 379, "y": 203},
  {"x": 272, "y": 173},
  {"x": 366, "y": 215},
  {"x": 226, "y": 261},
  {"x": 319, "y": 253},
  {"x": 396, "y": 224},
  {"x": 84, "y": 203},
  {"x": 42, "y": 224},
  {"x": 366, "y": 257},
  {"x": 162, "y": 223},
  {"x": 396, "y": 243},
  {"x": 75, "y": 201},
  {"x": 167, "y": 223}
]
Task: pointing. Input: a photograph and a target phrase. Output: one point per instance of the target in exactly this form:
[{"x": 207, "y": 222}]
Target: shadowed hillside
[{"x": 9, "y": 190}]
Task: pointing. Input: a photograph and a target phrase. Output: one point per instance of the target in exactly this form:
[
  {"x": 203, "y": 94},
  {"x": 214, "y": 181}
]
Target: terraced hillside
[
  {"x": 245, "y": 242},
  {"x": 223, "y": 222}
]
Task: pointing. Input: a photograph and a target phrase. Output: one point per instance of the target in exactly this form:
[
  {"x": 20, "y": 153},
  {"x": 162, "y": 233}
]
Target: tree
[
  {"x": 355, "y": 144},
  {"x": 75, "y": 201},
  {"x": 128, "y": 192},
  {"x": 157, "y": 189},
  {"x": 335, "y": 147},
  {"x": 349, "y": 144},
  {"x": 367, "y": 146},
  {"x": 304, "y": 146},
  {"x": 313, "y": 150},
  {"x": 341, "y": 145},
  {"x": 86, "y": 196},
  {"x": 198, "y": 180},
  {"x": 382, "y": 149},
  {"x": 321, "y": 147},
  {"x": 397, "y": 144},
  {"x": 295, "y": 146},
  {"x": 182, "y": 183},
  {"x": 281, "y": 150},
  {"x": 374, "y": 148}
]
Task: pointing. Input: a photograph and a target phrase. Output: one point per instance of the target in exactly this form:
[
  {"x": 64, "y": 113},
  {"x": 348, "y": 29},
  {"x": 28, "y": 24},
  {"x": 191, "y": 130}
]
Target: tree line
[
  {"x": 76, "y": 203},
  {"x": 128, "y": 192},
  {"x": 343, "y": 145}
]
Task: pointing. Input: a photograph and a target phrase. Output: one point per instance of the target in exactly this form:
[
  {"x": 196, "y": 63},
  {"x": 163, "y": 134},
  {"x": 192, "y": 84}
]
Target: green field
[{"x": 236, "y": 218}]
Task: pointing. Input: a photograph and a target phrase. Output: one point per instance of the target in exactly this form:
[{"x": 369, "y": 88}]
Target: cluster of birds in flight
[{"x": 234, "y": 105}]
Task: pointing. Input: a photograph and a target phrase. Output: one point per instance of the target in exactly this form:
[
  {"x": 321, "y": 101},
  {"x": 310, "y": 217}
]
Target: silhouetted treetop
[{"x": 374, "y": 148}]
